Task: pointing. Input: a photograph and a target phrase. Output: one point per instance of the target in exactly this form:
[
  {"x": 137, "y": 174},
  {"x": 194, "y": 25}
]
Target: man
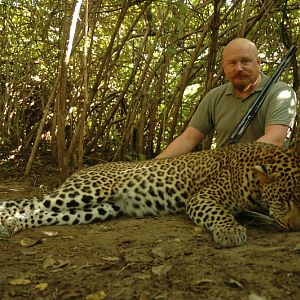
[{"x": 222, "y": 108}]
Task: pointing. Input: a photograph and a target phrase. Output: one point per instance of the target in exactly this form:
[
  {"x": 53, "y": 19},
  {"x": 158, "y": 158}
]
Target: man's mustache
[{"x": 240, "y": 74}]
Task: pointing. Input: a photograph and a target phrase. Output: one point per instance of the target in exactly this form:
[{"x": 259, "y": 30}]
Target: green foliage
[{"x": 136, "y": 64}]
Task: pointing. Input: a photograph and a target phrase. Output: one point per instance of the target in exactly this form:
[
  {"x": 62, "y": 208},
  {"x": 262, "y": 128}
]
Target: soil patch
[{"x": 152, "y": 258}]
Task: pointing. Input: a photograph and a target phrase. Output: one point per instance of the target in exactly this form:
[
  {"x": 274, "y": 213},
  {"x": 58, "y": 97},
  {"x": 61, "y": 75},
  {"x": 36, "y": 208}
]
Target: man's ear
[{"x": 264, "y": 174}]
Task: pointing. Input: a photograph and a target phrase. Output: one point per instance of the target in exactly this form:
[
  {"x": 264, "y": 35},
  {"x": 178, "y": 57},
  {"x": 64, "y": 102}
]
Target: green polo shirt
[{"x": 221, "y": 110}]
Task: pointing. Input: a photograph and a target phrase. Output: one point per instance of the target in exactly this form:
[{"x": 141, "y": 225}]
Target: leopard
[{"x": 212, "y": 187}]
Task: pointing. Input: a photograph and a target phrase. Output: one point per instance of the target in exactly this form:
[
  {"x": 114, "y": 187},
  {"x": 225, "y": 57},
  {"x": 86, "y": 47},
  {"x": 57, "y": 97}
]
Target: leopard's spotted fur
[{"x": 212, "y": 186}]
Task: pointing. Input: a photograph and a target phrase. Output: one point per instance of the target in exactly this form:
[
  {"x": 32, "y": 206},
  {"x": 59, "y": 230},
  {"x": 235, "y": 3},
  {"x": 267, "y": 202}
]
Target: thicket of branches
[{"x": 134, "y": 75}]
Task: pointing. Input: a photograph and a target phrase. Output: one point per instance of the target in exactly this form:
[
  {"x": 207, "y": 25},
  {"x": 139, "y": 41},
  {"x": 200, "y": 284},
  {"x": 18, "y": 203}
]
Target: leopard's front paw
[
  {"x": 230, "y": 236},
  {"x": 8, "y": 227}
]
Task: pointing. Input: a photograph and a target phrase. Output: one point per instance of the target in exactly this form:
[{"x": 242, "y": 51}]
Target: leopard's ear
[{"x": 264, "y": 174}]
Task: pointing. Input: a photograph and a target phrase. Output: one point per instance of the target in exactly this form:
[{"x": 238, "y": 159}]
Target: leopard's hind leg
[{"x": 19, "y": 222}]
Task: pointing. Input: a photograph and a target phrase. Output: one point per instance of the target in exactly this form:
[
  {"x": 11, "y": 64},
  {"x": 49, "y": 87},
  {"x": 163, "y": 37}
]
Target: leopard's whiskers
[{"x": 260, "y": 218}]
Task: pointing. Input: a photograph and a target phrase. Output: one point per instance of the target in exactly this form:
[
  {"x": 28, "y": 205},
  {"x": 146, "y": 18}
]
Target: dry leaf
[
  {"x": 202, "y": 281},
  {"x": 158, "y": 251},
  {"x": 162, "y": 270},
  {"x": 19, "y": 281},
  {"x": 29, "y": 251},
  {"x": 297, "y": 248},
  {"x": 29, "y": 242},
  {"x": 62, "y": 263},
  {"x": 69, "y": 237},
  {"x": 42, "y": 286},
  {"x": 49, "y": 262},
  {"x": 50, "y": 233},
  {"x": 144, "y": 276},
  {"x": 234, "y": 283},
  {"x": 110, "y": 258},
  {"x": 199, "y": 229},
  {"x": 253, "y": 296},
  {"x": 96, "y": 296}
]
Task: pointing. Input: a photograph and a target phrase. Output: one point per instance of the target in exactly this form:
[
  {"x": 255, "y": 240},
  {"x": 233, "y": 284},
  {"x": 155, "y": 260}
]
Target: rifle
[{"x": 245, "y": 121}]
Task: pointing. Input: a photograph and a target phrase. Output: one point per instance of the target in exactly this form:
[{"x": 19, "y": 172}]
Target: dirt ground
[{"x": 152, "y": 258}]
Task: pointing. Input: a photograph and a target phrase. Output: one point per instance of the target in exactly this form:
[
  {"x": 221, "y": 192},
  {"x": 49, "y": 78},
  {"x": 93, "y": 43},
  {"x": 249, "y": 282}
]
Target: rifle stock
[{"x": 245, "y": 121}]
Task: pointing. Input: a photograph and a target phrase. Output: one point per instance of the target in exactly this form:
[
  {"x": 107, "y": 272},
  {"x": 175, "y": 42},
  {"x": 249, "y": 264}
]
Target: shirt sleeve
[
  {"x": 282, "y": 105},
  {"x": 203, "y": 117}
]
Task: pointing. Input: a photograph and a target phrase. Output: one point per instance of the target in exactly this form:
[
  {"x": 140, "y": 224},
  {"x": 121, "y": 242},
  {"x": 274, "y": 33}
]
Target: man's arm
[
  {"x": 184, "y": 143},
  {"x": 274, "y": 134}
]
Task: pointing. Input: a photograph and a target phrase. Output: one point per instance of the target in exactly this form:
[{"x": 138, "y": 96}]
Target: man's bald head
[
  {"x": 241, "y": 65},
  {"x": 238, "y": 45}
]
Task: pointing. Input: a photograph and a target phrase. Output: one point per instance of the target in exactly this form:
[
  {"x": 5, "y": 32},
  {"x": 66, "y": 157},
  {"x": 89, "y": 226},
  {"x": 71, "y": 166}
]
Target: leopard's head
[{"x": 280, "y": 189}]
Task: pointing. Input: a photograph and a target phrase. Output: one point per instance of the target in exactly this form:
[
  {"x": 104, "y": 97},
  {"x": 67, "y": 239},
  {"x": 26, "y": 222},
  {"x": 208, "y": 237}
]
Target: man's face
[{"x": 241, "y": 66}]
